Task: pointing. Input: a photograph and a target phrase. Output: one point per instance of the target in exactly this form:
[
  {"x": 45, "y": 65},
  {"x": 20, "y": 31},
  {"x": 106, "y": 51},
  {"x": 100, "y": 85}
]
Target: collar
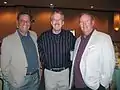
[
  {"x": 21, "y": 36},
  {"x": 56, "y": 34},
  {"x": 88, "y": 36}
]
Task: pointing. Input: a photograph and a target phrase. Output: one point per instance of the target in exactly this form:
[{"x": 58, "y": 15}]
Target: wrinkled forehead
[
  {"x": 85, "y": 17},
  {"x": 57, "y": 16},
  {"x": 24, "y": 16}
]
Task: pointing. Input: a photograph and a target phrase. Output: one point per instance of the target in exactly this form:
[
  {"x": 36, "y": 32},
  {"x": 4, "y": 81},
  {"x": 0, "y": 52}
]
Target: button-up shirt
[{"x": 79, "y": 83}]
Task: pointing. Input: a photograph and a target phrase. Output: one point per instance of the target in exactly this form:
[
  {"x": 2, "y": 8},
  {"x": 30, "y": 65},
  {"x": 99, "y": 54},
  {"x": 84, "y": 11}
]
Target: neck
[
  {"x": 88, "y": 33},
  {"x": 56, "y": 31},
  {"x": 23, "y": 33}
]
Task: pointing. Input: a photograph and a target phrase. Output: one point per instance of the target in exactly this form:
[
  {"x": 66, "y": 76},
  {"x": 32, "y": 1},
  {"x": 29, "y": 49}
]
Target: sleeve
[
  {"x": 5, "y": 58},
  {"x": 35, "y": 34},
  {"x": 72, "y": 41},
  {"x": 107, "y": 62},
  {"x": 40, "y": 49}
]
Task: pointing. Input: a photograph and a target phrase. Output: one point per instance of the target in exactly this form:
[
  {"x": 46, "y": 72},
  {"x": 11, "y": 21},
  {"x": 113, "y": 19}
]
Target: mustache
[{"x": 56, "y": 24}]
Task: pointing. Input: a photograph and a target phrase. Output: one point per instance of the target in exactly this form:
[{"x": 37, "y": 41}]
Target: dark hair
[
  {"x": 24, "y": 13},
  {"x": 59, "y": 12}
]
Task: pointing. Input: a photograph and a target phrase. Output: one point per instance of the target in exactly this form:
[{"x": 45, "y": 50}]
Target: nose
[
  {"x": 83, "y": 24},
  {"x": 25, "y": 23}
]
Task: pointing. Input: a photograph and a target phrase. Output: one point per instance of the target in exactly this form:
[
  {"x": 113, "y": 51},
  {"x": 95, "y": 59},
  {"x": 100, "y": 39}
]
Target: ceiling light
[
  {"x": 5, "y": 2},
  {"x": 51, "y": 5},
  {"x": 91, "y": 6}
]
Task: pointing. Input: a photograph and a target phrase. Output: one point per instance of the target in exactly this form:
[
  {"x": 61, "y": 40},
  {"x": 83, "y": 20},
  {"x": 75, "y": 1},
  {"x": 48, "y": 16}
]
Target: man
[
  {"x": 93, "y": 59},
  {"x": 54, "y": 48},
  {"x": 19, "y": 56}
]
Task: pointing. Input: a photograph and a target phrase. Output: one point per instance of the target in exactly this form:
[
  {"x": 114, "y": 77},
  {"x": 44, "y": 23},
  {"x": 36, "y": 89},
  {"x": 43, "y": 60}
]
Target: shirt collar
[
  {"x": 21, "y": 36},
  {"x": 56, "y": 34},
  {"x": 88, "y": 36}
]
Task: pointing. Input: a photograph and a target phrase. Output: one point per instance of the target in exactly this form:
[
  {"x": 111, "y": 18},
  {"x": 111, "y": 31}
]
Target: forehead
[
  {"x": 56, "y": 16},
  {"x": 85, "y": 17},
  {"x": 24, "y": 16}
]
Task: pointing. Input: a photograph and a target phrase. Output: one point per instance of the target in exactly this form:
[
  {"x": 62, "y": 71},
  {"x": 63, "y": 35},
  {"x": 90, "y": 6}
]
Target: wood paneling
[{"x": 42, "y": 22}]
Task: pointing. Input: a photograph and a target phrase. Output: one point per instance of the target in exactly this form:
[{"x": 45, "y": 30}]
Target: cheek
[
  {"x": 28, "y": 25},
  {"x": 52, "y": 23},
  {"x": 81, "y": 25},
  {"x": 89, "y": 26},
  {"x": 20, "y": 25},
  {"x": 61, "y": 23}
]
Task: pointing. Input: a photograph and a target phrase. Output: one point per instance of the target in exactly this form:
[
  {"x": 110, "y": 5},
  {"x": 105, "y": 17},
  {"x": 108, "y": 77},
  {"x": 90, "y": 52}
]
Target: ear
[
  {"x": 93, "y": 22},
  {"x": 62, "y": 22},
  {"x": 17, "y": 23},
  {"x": 51, "y": 22}
]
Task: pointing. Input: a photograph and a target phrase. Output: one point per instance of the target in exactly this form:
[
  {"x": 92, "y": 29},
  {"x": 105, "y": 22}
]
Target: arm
[
  {"x": 107, "y": 62},
  {"x": 5, "y": 58},
  {"x": 40, "y": 50},
  {"x": 72, "y": 40}
]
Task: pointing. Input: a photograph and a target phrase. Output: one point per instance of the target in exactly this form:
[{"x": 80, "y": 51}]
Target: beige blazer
[
  {"x": 13, "y": 60},
  {"x": 97, "y": 62}
]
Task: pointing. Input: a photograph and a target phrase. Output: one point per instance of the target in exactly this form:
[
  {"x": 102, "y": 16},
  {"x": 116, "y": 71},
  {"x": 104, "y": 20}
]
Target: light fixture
[
  {"x": 5, "y": 2},
  {"x": 116, "y": 21},
  {"x": 51, "y": 6},
  {"x": 91, "y": 6}
]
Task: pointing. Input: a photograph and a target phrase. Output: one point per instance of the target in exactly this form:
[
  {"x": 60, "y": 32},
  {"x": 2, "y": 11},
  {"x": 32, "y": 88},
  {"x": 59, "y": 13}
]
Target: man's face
[
  {"x": 24, "y": 23},
  {"x": 86, "y": 24},
  {"x": 57, "y": 21}
]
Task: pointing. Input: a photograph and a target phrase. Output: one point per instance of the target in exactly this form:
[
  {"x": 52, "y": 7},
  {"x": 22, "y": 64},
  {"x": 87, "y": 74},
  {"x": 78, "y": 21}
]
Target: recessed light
[
  {"x": 5, "y": 2},
  {"x": 91, "y": 6},
  {"x": 51, "y": 4}
]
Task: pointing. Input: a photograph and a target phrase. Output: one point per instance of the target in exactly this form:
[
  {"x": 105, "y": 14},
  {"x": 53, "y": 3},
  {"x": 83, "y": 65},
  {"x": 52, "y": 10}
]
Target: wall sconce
[
  {"x": 73, "y": 31},
  {"x": 117, "y": 21}
]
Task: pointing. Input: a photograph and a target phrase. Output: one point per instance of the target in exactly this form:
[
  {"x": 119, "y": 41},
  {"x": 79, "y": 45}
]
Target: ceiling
[{"x": 79, "y": 4}]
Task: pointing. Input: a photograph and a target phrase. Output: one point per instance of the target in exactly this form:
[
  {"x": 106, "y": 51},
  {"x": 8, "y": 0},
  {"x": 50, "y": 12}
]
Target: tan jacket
[{"x": 13, "y": 59}]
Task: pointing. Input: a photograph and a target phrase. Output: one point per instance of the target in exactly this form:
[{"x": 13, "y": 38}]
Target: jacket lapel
[{"x": 19, "y": 48}]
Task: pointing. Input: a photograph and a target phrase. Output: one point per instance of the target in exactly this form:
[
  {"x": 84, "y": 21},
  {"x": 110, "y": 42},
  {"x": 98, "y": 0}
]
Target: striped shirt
[{"x": 54, "y": 49}]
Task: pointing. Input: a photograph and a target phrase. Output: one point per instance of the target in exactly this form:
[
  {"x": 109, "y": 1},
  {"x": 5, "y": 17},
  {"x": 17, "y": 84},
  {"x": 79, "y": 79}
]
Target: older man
[{"x": 93, "y": 59}]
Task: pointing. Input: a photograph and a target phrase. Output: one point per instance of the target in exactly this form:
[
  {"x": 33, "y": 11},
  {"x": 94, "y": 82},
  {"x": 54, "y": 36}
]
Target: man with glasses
[
  {"x": 54, "y": 48},
  {"x": 94, "y": 58},
  {"x": 19, "y": 57}
]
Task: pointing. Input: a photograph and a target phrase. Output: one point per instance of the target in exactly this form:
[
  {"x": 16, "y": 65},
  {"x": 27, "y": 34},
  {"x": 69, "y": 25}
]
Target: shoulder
[
  {"x": 102, "y": 35},
  {"x": 78, "y": 39},
  {"x": 33, "y": 33},
  {"x": 9, "y": 37},
  {"x": 8, "y": 40},
  {"x": 66, "y": 31},
  {"x": 45, "y": 34}
]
